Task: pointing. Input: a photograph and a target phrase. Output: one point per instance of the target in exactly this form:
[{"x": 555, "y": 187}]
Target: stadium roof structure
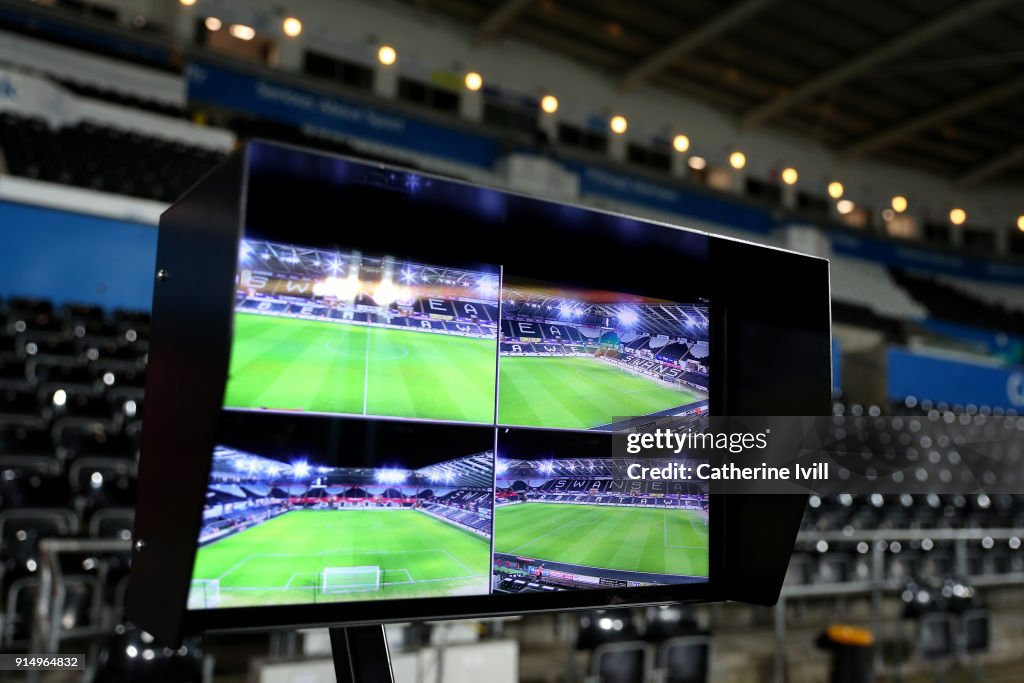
[
  {"x": 314, "y": 263},
  {"x": 670, "y": 319},
  {"x": 232, "y": 464},
  {"x": 931, "y": 84}
]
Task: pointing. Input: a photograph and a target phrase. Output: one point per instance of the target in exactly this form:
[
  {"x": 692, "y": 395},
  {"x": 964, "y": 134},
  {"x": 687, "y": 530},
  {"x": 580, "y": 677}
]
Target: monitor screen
[
  {"x": 379, "y": 395},
  {"x": 397, "y": 426}
]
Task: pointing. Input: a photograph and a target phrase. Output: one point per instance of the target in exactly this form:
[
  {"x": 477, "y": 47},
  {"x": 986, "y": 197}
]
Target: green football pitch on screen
[{"x": 313, "y": 556}]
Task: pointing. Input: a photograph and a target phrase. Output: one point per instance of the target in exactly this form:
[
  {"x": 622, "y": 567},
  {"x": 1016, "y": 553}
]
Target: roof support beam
[
  {"x": 944, "y": 23},
  {"x": 954, "y": 110},
  {"x": 689, "y": 42},
  {"x": 992, "y": 167},
  {"x": 496, "y": 22}
]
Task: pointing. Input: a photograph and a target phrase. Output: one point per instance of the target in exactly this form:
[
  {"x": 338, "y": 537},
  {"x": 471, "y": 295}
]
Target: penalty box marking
[
  {"x": 338, "y": 551},
  {"x": 289, "y": 587}
]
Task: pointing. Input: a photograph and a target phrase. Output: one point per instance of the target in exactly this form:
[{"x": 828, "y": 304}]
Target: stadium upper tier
[
  {"x": 102, "y": 158},
  {"x": 667, "y": 321},
  {"x": 870, "y": 285},
  {"x": 233, "y": 466}
]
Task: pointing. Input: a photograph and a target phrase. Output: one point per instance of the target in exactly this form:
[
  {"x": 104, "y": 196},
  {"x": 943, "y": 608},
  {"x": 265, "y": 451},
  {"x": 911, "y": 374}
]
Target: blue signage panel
[
  {"x": 73, "y": 258},
  {"x": 942, "y": 379},
  {"x": 303, "y": 108},
  {"x": 595, "y": 180}
]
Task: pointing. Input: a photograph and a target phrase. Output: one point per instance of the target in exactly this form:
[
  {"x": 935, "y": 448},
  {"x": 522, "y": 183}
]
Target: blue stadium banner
[
  {"x": 596, "y": 180},
  {"x": 934, "y": 378},
  {"x": 328, "y": 115}
]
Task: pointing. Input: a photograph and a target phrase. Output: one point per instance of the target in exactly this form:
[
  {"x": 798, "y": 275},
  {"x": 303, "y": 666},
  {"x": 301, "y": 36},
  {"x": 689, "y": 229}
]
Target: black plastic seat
[
  {"x": 21, "y": 441},
  {"x": 14, "y": 373},
  {"x": 94, "y": 440},
  {"x": 21, "y": 529},
  {"x": 20, "y": 407},
  {"x": 76, "y": 407},
  {"x": 32, "y": 482},
  {"x": 103, "y": 483},
  {"x": 112, "y": 523}
]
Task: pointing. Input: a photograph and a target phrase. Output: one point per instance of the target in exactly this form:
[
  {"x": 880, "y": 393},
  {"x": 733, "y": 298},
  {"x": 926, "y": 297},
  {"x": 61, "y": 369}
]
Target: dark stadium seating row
[
  {"x": 684, "y": 321},
  {"x": 102, "y": 158},
  {"x": 122, "y": 99},
  {"x": 948, "y": 303},
  {"x": 71, "y": 398},
  {"x": 315, "y": 310},
  {"x": 477, "y": 521},
  {"x": 914, "y": 512}
]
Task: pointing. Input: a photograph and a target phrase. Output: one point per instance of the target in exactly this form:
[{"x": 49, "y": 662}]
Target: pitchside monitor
[{"x": 378, "y": 395}]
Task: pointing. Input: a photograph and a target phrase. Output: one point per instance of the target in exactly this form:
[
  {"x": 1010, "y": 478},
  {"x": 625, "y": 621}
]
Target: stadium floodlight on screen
[{"x": 375, "y": 395}]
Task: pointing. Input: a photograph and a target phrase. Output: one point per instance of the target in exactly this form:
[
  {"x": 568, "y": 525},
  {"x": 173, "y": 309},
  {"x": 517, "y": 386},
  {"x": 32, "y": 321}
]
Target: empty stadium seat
[
  {"x": 626, "y": 662},
  {"x": 869, "y": 284},
  {"x": 32, "y": 482},
  {"x": 101, "y": 158}
]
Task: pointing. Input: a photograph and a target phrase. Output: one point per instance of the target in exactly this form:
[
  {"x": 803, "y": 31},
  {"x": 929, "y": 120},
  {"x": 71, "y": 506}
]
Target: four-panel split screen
[{"x": 399, "y": 429}]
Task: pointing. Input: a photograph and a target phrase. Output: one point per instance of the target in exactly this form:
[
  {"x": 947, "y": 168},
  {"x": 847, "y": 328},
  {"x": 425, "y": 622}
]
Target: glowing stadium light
[
  {"x": 487, "y": 287},
  {"x": 334, "y": 266},
  {"x": 549, "y": 103},
  {"x": 618, "y": 124},
  {"x": 500, "y": 466},
  {"x": 737, "y": 160},
  {"x": 407, "y": 276},
  {"x": 899, "y": 203},
  {"x": 474, "y": 81},
  {"x": 790, "y": 176},
  {"x": 386, "y": 293},
  {"x": 547, "y": 467},
  {"x": 342, "y": 289},
  {"x": 213, "y": 24},
  {"x": 835, "y": 189},
  {"x": 680, "y": 143},
  {"x": 291, "y": 27},
  {"x": 243, "y": 251},
  {"x": 565, "y": 310},
  {"x": 387, "y": 55},
  {"x": 957, "y": 216},
  {"x": 242, "y": 32},
  {"x": 391, "y": 476},
  {"x": 300, "y": 469},
  {"x": 628, "y": 317}
]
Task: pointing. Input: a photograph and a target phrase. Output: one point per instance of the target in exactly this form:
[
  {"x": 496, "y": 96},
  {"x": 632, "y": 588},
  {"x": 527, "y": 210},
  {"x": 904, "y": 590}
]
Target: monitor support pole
[{"x": 361, "y": 654}]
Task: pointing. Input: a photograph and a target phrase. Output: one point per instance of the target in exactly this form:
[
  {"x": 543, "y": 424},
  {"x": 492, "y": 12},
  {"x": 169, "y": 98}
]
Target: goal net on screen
[{"x": 336, "y": 580}]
